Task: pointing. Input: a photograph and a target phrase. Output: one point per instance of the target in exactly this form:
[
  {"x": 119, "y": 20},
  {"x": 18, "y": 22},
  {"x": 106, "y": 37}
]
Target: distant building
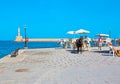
[{"x": 19, "y": 37}]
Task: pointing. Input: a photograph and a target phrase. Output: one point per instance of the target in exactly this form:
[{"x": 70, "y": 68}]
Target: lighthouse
[{"x": 19, "y": 37}]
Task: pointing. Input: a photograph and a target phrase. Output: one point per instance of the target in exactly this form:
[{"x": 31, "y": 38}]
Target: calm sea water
[{"x": 7, "y": 47}]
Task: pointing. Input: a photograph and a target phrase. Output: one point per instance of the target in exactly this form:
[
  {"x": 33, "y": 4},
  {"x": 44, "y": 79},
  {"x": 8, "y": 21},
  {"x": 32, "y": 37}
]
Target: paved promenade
[{"x": 60, "y": 66}]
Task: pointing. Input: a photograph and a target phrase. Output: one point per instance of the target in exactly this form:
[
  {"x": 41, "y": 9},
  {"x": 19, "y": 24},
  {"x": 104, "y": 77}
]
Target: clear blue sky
[{"x": 53, "y": 18}]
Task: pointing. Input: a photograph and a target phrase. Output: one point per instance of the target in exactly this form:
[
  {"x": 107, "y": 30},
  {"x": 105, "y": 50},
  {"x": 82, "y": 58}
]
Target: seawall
[{"x": 42, "y": 40}]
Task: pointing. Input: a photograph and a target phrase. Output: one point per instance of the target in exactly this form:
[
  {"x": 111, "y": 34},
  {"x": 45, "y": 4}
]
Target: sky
[{"x": 54, "y": 18}]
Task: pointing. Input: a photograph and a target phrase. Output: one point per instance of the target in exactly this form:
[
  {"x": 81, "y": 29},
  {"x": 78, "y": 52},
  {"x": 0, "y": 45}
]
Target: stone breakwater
[
  {"x": 60, "y": 66},
  {"x": 42, "y": 40}
]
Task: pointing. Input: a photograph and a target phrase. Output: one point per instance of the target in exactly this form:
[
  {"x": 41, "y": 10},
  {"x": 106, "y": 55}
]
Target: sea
[{"x": 7, "y": 47}]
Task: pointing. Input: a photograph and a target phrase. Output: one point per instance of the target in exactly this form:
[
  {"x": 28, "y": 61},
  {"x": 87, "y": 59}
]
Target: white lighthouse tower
[{"x": 19, "y": 37}]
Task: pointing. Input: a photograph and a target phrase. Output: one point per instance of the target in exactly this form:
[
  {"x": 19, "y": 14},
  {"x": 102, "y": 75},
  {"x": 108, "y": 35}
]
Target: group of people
[
  {"x": 81, "y": 43},
  {"x": 78, "y": 43},
  {"x": 112, "y": 48}
]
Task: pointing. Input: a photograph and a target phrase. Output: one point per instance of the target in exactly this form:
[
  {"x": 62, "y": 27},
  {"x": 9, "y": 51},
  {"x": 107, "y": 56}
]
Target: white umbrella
[
  {"x": 82, "y": 31},
  {"x": 103, "y": 35},
  {"x": 71, "y": 32}
]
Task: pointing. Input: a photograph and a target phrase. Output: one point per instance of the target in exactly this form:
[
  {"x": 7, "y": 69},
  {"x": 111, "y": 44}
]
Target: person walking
[{"x": 79, "y": 44}]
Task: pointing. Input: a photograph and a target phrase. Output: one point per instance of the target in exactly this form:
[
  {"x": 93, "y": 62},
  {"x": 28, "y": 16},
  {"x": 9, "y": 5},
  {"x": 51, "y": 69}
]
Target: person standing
[
  {"x": 79, "y": 44},
  {"x": 100, "y": 43}
]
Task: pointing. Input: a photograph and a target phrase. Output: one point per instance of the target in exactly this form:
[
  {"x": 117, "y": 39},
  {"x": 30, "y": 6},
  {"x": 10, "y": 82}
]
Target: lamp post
[{"x": 25, "y": 46}]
